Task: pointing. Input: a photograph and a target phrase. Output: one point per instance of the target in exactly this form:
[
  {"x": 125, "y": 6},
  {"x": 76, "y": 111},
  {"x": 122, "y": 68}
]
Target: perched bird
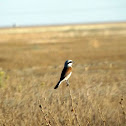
[{"x": 66, "y": 73}]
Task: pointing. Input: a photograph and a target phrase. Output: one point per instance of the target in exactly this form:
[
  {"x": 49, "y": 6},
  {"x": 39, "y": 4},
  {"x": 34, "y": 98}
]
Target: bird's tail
[{"x": 57, "y": 85}]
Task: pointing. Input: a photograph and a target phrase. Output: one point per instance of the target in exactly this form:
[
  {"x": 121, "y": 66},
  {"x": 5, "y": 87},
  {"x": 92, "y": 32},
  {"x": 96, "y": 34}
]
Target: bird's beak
[{"x": 73, "y": 62}]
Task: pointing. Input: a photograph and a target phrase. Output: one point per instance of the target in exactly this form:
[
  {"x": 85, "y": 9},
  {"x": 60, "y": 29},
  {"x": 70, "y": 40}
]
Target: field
[{"x": 31, "y": 61}]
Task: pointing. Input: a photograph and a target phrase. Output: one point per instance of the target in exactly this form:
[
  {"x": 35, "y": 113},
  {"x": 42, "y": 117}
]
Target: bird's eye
[{"x": 69, "y": 62}]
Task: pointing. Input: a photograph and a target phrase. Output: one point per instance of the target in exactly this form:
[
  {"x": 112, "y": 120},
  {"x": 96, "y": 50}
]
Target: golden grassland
[{"x": 31, "y": 60}]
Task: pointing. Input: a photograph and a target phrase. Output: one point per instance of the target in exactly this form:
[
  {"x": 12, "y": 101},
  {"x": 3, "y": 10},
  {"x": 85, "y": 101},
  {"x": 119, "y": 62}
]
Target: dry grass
[{"x": 29, "y": 71}]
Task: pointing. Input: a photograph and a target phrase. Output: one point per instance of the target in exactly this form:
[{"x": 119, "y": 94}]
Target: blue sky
[{"x": 48, "y": 12}]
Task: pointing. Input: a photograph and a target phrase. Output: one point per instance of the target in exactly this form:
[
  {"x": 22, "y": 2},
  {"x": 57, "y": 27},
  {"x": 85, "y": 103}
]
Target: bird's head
[{"x": 68, "y": 63}]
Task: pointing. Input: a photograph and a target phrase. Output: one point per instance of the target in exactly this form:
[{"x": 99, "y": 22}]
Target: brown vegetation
[{"x": 30, "y": 66}]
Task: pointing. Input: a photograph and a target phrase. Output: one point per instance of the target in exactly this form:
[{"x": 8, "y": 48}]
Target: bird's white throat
[{"x": 69, "y": 65}]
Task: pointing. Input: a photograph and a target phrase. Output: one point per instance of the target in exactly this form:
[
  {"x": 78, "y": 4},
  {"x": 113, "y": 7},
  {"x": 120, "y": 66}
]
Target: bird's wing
[{"x": 65, "y": 72}]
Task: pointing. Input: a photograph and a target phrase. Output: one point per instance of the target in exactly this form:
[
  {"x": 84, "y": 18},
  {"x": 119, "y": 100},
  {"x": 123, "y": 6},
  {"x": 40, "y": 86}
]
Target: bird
[{"x": 66, "y": 73}]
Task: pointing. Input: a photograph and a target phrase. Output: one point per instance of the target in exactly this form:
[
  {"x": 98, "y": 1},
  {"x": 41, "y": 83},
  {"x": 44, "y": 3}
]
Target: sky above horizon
[{"x": 47, "y": 12}]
